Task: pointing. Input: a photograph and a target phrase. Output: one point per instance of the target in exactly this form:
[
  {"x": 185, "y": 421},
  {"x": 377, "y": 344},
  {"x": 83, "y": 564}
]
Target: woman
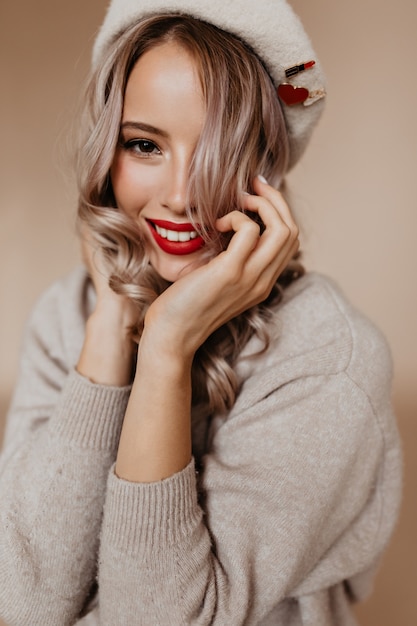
[{"x": 201, "y": 433}]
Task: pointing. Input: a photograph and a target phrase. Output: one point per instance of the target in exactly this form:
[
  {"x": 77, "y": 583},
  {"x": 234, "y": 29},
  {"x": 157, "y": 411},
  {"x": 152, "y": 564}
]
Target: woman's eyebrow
[{"x": 147, "y": 128}]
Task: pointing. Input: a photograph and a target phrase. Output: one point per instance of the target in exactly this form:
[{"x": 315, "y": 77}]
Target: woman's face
[{"x": 162, "y": 120}]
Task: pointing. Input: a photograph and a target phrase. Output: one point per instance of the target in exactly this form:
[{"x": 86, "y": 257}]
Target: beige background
[{"x": 354, "y": 193}]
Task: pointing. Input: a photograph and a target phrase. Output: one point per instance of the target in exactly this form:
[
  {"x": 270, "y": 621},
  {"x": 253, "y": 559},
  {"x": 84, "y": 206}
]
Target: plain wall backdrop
[{"x": 354, "y": 195}]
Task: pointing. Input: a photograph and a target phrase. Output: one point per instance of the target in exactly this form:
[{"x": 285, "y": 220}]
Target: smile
[
  {"x": 175, "y": 235},
  {"x": 175, "y": 238}
]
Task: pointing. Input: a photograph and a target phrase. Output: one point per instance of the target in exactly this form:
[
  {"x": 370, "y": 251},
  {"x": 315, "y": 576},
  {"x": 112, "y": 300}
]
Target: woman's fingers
[
  {"x": 263, "y": 204},
  {"x": 246, "y": 233},
  {"x": 276, "y": 199},
  {"x": 279, "y": 238},
  {"x": 253, "y": 258}
]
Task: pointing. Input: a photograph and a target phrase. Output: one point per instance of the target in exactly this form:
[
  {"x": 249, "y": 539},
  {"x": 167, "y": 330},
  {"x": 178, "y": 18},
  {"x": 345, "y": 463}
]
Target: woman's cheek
[{"x": 126, "y": 186}]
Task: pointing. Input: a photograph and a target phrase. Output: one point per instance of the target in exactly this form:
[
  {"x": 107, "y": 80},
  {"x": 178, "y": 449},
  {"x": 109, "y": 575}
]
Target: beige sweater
[{"x": 295, "y": 498}]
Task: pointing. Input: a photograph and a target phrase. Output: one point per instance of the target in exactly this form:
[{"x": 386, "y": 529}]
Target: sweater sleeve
[
  {"x": 61, "y": 439},
  {"x": 289, "y": 503}
]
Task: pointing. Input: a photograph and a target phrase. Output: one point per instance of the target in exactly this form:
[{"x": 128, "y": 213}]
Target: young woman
[{"x": 201, "y": 432}]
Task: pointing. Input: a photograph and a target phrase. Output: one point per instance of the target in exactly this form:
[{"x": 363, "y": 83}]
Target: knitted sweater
[{"x": 280, "y": 519}]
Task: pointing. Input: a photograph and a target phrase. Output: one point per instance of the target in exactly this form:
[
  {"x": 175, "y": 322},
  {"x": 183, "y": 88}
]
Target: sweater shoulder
[
  {"x": 317, "y": 316},
  {"x": 316, "y": 331},
  {"x": 57, "y": 320},
  {"x": 67, "y": 291}
]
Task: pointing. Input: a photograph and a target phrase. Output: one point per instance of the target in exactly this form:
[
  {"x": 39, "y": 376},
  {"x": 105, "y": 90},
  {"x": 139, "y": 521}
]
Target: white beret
[{"x": 270, "y": 27}]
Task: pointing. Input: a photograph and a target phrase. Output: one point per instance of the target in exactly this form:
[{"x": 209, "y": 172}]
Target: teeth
[
  {"x": 174, "y": 235},
  {"x": 184, "y": 236}
]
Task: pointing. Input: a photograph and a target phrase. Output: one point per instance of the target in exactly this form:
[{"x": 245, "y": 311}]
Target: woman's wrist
[
  {"x": 108, "y": 351},
  {"x": 167, "y": 347}
]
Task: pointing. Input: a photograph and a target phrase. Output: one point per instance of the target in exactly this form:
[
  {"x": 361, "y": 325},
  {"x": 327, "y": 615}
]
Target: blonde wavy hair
[{"x": 244, "y": 134}]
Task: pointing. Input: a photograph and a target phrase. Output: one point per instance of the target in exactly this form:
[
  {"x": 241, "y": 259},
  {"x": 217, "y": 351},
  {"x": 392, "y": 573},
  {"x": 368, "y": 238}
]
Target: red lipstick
[
  {"x": 175, "y": 238},
  {"x": 296, "y": 69}
]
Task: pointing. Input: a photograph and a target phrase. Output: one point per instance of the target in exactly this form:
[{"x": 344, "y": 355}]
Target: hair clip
[
  {"x": 296, "y": 69},
  {"x": 292, "y": 95}
]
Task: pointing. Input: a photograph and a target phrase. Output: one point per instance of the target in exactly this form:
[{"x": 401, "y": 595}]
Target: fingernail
[{"x": 262, "y": 179}]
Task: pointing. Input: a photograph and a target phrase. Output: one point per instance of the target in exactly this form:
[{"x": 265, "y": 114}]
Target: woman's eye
[{"x": 142, "y": 147}]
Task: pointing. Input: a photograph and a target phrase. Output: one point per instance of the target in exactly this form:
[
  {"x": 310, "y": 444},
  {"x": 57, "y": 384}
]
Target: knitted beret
[{"x": 272, "y": 30}]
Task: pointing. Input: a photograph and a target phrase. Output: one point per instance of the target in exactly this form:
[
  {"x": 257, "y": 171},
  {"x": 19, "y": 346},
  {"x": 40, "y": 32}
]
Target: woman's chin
[{"x": 177, "y": 268}]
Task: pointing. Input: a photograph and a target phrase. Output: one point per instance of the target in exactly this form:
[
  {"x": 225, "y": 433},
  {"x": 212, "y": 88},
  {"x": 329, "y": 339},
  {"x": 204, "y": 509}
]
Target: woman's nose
[{"x": 175, "y": 196}]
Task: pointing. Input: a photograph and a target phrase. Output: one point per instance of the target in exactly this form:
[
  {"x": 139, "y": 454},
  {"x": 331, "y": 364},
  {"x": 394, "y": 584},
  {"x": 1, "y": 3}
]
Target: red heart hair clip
[{"x": 292, "y": 95}]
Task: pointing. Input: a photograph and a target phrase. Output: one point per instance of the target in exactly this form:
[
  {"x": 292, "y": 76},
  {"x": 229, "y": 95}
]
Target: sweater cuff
[
  {"x": 139, "y": 516},
  {"x": 91, "y": 415}
]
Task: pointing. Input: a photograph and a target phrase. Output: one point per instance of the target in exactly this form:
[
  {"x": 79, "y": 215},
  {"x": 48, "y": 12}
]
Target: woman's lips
[{"x": 175, "y": 238}]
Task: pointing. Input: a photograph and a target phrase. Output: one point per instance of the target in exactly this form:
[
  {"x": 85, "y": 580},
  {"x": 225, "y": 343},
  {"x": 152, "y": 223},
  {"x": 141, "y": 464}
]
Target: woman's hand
[
  {"x": 108, "y": 350},
  {"x": 243, "y": 275}
]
